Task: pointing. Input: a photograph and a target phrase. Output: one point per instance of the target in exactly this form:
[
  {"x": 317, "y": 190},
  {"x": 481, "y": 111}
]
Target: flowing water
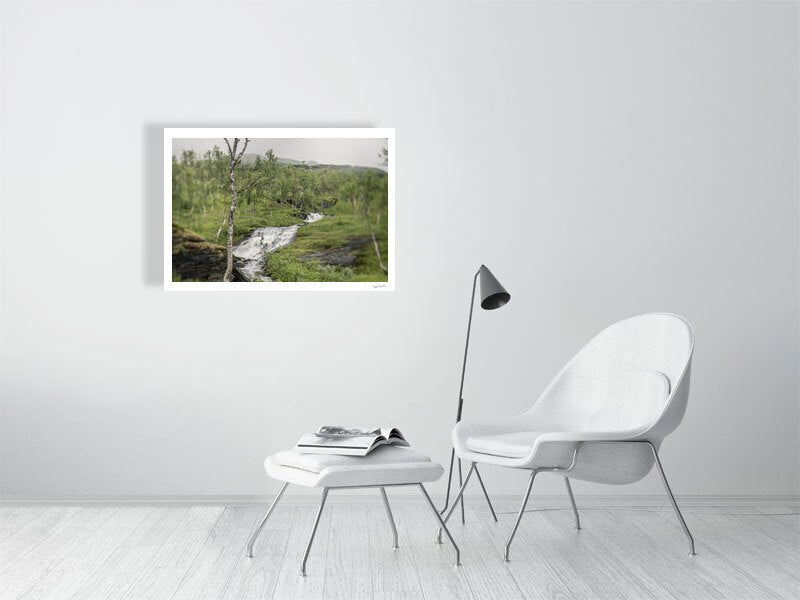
[
  {"x": 252, "y": 251},
  {"x": 313, "y": 217}
]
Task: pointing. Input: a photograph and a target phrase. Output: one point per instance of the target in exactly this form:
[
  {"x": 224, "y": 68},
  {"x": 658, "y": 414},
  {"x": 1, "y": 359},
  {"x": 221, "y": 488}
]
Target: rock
[
  {"x": 345, "y": 256},
  {"x": 195, "y": 259}
]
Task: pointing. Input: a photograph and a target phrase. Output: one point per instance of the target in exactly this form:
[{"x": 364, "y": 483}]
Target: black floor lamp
[{"x": 493, "y": 295}]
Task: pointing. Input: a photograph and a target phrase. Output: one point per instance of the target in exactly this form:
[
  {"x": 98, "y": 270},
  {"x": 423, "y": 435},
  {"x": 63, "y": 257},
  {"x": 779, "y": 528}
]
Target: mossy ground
[
  {"x": 336, "y": 230},
  {"x": 207, "y": 222},
  {"x": 343, "y": 226}
]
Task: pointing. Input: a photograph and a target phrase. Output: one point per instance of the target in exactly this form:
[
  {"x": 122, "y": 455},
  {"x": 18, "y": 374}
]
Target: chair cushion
[
  {"x": 387, "y": 465},
  {"x": 382, "y": 455},
  {"x": 633, "y": 399},
  {"x": 509, "y": 445}
]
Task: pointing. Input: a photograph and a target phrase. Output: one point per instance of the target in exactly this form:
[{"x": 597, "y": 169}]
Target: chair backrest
[{"x": 632, "y": 375}]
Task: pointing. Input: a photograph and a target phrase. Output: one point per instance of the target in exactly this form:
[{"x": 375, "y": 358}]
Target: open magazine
[{"x": 349, "y": 441}]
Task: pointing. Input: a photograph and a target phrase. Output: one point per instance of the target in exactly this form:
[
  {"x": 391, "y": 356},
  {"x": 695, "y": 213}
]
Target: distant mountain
[
  {"x": 291, "y": 161},
  {"x": 312, "y": 164}
]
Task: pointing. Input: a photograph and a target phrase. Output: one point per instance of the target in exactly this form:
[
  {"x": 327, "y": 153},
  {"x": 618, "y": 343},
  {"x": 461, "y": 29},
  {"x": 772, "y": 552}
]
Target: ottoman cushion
[{"x": 386, "y": 465}]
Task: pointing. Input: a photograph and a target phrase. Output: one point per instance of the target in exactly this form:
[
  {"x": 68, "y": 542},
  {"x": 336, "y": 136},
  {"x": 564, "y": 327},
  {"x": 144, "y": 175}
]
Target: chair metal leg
[
  {"x": 519, "y": 516},
  {"x": 672, "y": 500},
  {"x": 442, "y": 523},
  {"x": 313, "y": 531},
  {"x": 449, "y": 481},
  {"x": 455, "y": 502},
  {"x": 257, "y": 532},
  {"x": 485, "y": 495},
  {"x": 461, "y": 482},
  {"x": 574, "y": 507},
  {"x": 391, "y": 518}
]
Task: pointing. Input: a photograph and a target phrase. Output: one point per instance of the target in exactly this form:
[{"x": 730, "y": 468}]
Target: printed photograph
[{"x": 279, "y": 209}]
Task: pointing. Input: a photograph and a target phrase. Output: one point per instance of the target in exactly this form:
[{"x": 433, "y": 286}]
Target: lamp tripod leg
[
  {"x": 449, "y": 482},
  {"x": 442, "y": 525},
  {"x": 461, "y": 483},
  {"x": 455, "y": 502}
]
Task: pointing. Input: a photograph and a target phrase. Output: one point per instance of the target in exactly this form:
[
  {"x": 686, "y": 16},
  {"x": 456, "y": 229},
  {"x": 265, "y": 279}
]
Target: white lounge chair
[{"x": 601, "y": 419}]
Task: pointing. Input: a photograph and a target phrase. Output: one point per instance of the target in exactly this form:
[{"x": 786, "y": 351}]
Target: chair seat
[
  {"x": 507, "y": 445},
  {"x": 386, "y": 465}
]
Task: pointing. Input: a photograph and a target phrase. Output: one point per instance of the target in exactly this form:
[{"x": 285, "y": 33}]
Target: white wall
[{"x": 604, "y": 160}]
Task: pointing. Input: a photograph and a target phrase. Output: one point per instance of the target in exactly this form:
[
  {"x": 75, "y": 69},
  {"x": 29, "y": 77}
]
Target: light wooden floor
[{"x": 195, "y": 553}]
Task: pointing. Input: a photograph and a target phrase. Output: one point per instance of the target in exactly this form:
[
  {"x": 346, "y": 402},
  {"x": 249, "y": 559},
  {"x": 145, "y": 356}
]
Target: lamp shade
[{"x": 493, "y": 294}]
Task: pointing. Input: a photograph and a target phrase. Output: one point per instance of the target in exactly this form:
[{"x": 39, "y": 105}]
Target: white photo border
[{"x": 171, "y": 133}]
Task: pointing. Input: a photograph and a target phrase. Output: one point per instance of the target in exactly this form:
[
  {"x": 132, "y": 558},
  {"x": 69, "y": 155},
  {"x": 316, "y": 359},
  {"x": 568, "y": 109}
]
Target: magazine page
[
  {"x": 341, "y": 430},
  {"x": 355, "y": 442},
  {"x": 394, "y": 436},
  {"x": 347, "y": 445}
]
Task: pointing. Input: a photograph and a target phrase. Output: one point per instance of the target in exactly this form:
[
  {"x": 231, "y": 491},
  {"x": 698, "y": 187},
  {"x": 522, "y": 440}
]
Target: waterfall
[{"x": 252, "y": 251}]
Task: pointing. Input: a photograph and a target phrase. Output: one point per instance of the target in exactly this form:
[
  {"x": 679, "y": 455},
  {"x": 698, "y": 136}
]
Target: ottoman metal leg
[
  {"x": 391, "y": 518},
  {"x": 257, "y": 532},
  {"x": 442, "y": 523},
  {"x": 313, "y": 531},
  {"x": 455, "y": 502}
]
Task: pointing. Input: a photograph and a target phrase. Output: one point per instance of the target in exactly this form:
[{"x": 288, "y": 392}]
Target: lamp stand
[{"x": 458, "y": 418}]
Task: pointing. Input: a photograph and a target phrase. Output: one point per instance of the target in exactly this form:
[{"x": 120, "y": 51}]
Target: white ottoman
[{"x": 384, "y": 467}]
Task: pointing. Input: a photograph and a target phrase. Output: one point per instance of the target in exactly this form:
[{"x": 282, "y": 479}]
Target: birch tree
[
  {"x": 265, "y": 168},
  {"x": 373, "y": 189},
  {"x": 384, "y": 154},
  {"x": 234, "y": 158}
]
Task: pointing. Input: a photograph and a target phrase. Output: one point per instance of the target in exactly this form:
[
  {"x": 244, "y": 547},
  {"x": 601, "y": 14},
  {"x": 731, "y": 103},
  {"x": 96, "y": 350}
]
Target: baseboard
[{"x": 367, "y": 499}]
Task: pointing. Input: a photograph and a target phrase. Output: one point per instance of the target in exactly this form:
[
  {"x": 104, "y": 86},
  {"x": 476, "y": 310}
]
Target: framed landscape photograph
[{"x": 279, "y": 209}]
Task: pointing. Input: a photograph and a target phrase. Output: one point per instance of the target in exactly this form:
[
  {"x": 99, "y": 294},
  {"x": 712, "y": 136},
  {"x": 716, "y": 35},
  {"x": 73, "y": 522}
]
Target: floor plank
[
  {"x": 657, "y": 549},
  {"x": 115, "y": 575},
  {"x": 290, "y": 585},
  {"x": 349, "y": 557},
  {"x": 34, "y": 565},
  {"x": 34, "y": 532},
  {"x": 255, "y": 578},
  {"x": 780, "y": 527},
  {"x": 487, "y": 575},
  {"x": 13, "y": 518},
  {"x": 93, "y": 553},
  {"x": 607, "y": 573},
  {"x": 783, "y": 534},
  {"x": 69, "y": 574},
  {"x": 566, "y": 546},
  {"x": 438, "y": 577},
  {"x": 394, "y": 572},
  {"x": 163, "y": 574},
  {"x": 536, "y": 575},
  {"x": 612, "y": 553},
  {"x": 211, "y": 570},
  {"x": 710, "y": 571},
  {"x": 752, "y": 552}
]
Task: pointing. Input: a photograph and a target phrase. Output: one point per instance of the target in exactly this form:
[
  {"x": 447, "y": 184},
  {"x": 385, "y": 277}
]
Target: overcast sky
[{"x": 362, "y": 151}]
